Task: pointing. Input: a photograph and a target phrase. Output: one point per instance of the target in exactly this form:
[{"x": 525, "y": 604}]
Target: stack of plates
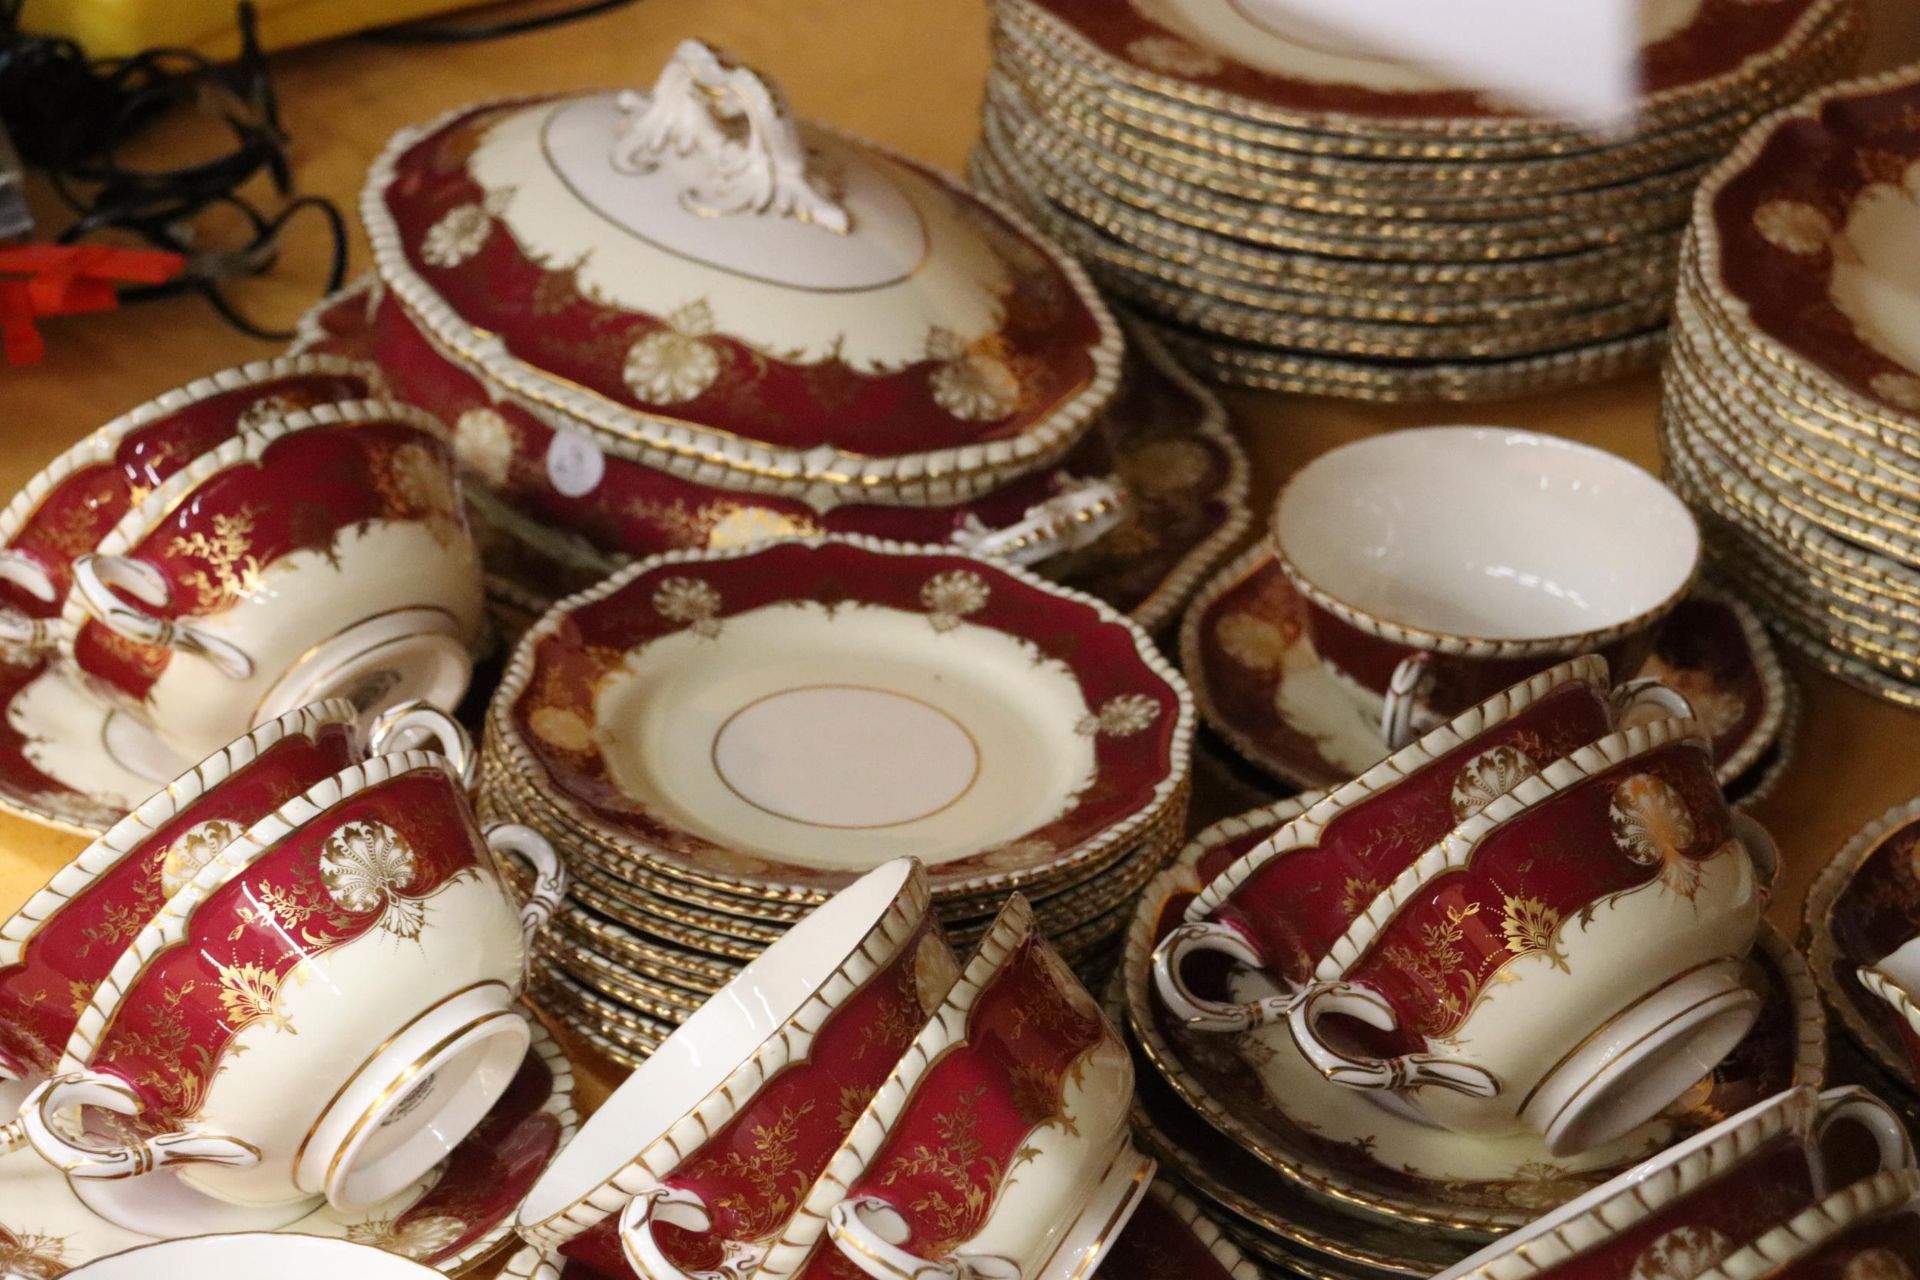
[
  {"x": 716, "y": 742},
  {"x": 1300, "y": 215},
  {"x": 1792, "y": 413}
]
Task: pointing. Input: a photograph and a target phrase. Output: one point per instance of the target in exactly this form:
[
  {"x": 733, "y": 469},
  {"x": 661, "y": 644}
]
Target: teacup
[
  {"x": 1718, "y": 1189},
  {"x": 998, "y": 1145},
  {"x": 1272, "y": 908},
  {"x": 255, "y": 1253},
  {"x": 1894, "y": 979},
  {"x": 324, "y": 1011},
  {"x": 1867, "y": 1231},
  {"x": 705, "y": 1150},
  {"x": 1441, "y": 564},
  {"x": 1568, "y": 960},
  {"x": 323, "y": 554},
  {"x": 76, "y": 499},
  {"x": 55, "y": 950}
]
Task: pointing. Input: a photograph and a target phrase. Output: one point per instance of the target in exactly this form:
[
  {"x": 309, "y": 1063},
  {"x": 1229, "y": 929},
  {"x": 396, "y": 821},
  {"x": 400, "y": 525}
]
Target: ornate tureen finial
[{"x": 705, "y": 104}]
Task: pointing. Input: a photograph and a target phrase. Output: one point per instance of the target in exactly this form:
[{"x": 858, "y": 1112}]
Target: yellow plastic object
[{"x": 114, "y": 28}]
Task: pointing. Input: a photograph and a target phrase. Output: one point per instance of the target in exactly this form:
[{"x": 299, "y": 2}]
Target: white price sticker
[{"x": 574, "y": 464}]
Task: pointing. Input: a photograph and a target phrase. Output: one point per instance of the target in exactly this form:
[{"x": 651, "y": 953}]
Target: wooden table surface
[{"x": 909, "y": 75}]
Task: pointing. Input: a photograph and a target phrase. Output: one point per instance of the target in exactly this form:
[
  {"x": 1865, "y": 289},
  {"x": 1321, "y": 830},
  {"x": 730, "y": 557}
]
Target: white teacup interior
[
  {"x": 283, "y": 1257},
  {"x": 706, "y": 1048},
  {"x": 1487, "y": 533}
]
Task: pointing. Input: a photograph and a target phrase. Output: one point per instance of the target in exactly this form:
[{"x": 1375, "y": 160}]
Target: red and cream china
[
  {"x": 1699, "y": 1199},
  {"x": 1310, "y": 1142},
  {"x": 1442, "y": 564},
  {"x": 1259, "y": 684},
  {"x": 1184, "y": 473},
  {"x": 998, "y": 1144},
  {"x": 777, "y": 720},
  {"x": 76, "y": 499},
  {"x": 57, "y": 947},
  {"x": 1269, "y": 908},
  {"x": 1862, "y": 915},
  {"x": 357, "y": 941},
  {"x": 1805, "y": 239},
  {"x": 702, "y": 1155},
  {"x": 1568, "y": 960},
  {"x": 692, "y": 278},
  {"x": 450, "y": 1219},
  {"x": 322, "y": 553},
  {"x": 1871, "y": 1228}
]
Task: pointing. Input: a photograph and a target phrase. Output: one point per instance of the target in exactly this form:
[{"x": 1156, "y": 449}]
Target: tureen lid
[{"x": 693, "y": 271}]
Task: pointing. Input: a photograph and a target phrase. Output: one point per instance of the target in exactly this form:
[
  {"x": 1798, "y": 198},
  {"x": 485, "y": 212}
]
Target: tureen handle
[
  {"x": 1071, "y": 519},
  {"x": 95, "y": 577},
  {"x": 418, "y": 724},
  {"x": 1850, "y": 1104},
  {"x": 79, "y": 1159},
  {"x": 860, "y": 1227},
  {"x": 19, "y": 634},
  {"x": 1356, "y": 1071},
  {"x": 1198, "y": 1012},
  {"x": 1639, "y": 701},
  {"x": 681, "y": 1208},
  {"x": 549, "y": 876},
  {"x": 707, "y": 105},
  {"x": 1410, "y": 682}
]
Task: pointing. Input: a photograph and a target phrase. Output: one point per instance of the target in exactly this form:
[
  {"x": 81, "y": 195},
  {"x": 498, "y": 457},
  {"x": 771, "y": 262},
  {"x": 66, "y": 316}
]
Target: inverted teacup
[
  {"x": 1681, "y": 1211},
  {"x": 76, "y": 499},
  {"x": 1867, "y": 1231},
  {"x": 1281, "y": 905},
  {"x": 1568, "y": 960},
  {"x": 997, "y": 1147},
  {"x": 324, "y": 1010},
  {"x": 1441, "y": 564},
  {"x": 703, "y": 1153},
  {"x": 322, "y": 554}
]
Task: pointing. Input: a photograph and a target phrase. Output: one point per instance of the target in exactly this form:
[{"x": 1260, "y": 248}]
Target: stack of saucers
[
  {"x": 717, "y": 741},
  {"x": 1792, "y": 413},
  {"x": 1295, "y": 213}
]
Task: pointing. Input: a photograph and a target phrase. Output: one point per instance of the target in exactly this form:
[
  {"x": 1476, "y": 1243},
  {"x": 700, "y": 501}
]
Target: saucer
[
  {"x": 1863, "y": 905},
  {"x": 1170, "y": 1237},
  {"x": 1259, "y": 684},
  {"x": 1259, "y": 1090},
  {"x": 455, "y": 1216},
  {"x": 1186, "y": 474},
  {"x": 67, "y": 759}
]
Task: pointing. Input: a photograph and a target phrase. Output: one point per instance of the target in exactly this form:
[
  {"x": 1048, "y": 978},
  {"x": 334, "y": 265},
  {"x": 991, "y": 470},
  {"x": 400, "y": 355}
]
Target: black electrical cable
[
  {"x": 455, "y": 32},
  {"x": 77, "y": 118}
]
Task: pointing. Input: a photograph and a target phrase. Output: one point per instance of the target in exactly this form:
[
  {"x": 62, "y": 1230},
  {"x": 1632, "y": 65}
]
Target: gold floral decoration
[
  {"x": 1653, "y": 826},
  {"x": 1166, "y": 468},
  {"x": 853, "y": 1101},
  {"x": 1121, "y": 717},
  {"x": 250, "y": 994},
  {"x": 229, "y": 570},
  {"x": 191, "y": 850},
  {"x": 1255, "y": 643},
  {"x": 417, "y": 1238},
  {"x": 457, "y": 236},
  {"x": 1681, "y": 1254},
  {"x": 1436, "y": 962},
  {"x": 415, "y": 483},
  {"x": 364, "y": 865},
  {"x": 953, "y": 1201},
  {"x": 562, "y": 727},
  {"x": 690, "y": 601},
  {"x": 1487, "y": 777},
  {"x": 952, "y": 595},
  {"x": 934, "y": 972},
  {"x": 677, "y": 363},
  {"x": 1531, "y": 927},
  {"x": 973, "y": 381},
  {"x": 265, "y": 410},
  {"x": 1794, "y": 226},
  {"x": 483, "y": 440},
  {"x": 32, "y": 1256}
]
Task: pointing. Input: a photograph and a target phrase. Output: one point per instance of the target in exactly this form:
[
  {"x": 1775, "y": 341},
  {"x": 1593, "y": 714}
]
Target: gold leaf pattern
[
  {"x": 32, "y": 1256},
  {"x": 457, "y": 236},
  {"x": 1487, "y": 777},
  {"x": 251, "y": 996},
  {"x": 1121, "y": 717},
  {"x": 230, "y": 569},
  {"x": 364, "y": 865},
  {"x": 691, "y": 601},
  {"x": 952, "y": 595},
  {"x": 417, "y": 1238},
  {"x": 1793, "y": 225},
  {"x": 1681, "y": 1254},
  {"x": 484, "y": 442},
  {"x": 1653, "y": 826},
  {"x": 1530, "y": 927},
  {"x": 191, "y": 850}
]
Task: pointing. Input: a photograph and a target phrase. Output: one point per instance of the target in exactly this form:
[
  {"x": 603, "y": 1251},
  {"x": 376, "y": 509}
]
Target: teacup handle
[
  {"x": 418, "y": 724},
  {"x": 1069, "y": 520},
  {"x": 95, "y": 577},
  {"x": 79, "y": 1159},
  {"x": 1408, "y": 1071},
  {"x": 549, "y": 876},
  {"x": 684, "y": 1209},
  {"x": 1850, "y": 1104},
  {"x": 1198, "y": 1012},
  {"x": 860, "y": 1226},
  {"x": 1647, "y": 699},
  {"x": 1410, "y": 682},
  {"x": 19, "y": 634},
  {"x": 1761, "y": 849},
  {"x": 13, "y": 1137}
]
